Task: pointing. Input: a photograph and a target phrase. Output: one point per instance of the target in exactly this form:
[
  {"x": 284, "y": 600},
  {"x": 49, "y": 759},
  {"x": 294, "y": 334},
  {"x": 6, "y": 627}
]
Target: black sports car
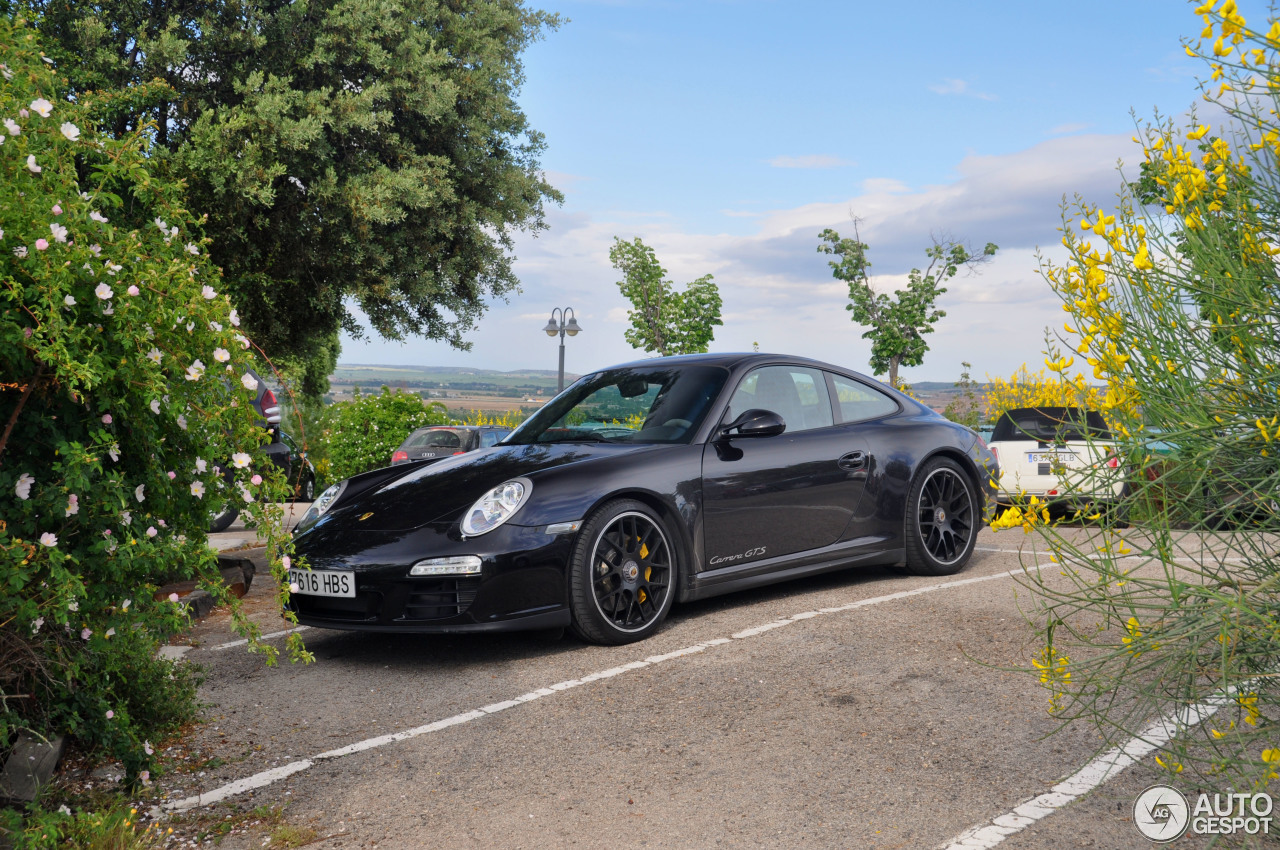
[{"x": 669, "y": 479}]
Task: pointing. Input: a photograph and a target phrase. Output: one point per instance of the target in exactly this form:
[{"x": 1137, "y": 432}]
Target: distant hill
[{"x": 445, "y": 377}]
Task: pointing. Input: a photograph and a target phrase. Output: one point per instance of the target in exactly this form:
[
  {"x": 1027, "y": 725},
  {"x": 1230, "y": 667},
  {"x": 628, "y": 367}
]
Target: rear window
[
  {"x": 491, "y": 438},
  {"x": 1050, "y": 424},
  {"x": 440, "y": 438},
  {"x": 858, "y": 402}
]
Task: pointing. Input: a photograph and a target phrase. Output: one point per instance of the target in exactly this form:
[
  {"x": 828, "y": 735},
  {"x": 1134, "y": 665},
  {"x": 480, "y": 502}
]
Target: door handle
[{"x": 853, "y": 461}]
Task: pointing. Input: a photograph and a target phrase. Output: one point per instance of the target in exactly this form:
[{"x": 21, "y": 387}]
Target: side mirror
[{"x": 754, "y": 423}]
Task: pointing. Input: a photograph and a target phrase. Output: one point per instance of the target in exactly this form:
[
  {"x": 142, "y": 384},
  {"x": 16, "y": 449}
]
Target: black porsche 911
[{"x": 645, "y": 484}]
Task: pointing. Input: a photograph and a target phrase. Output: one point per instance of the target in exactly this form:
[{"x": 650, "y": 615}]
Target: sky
[{"x": 727, "y": 134}]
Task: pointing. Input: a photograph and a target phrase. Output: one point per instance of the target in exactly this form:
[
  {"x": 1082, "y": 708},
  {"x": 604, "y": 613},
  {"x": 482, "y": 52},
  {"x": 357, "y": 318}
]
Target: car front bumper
[{"x": 522, "y": 584}]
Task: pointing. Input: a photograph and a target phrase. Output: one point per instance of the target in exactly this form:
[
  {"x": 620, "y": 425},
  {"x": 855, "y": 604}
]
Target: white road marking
[
  {"x": 1092, "y": 775},
  {"x": 243, "y": 641},
  {"x": 268, "y": 777}
]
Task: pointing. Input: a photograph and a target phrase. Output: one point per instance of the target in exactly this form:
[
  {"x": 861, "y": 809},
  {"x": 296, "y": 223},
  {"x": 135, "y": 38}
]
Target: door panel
[
  {"x": 765, "y": 497},
  {"x": 770, "y": 496}
]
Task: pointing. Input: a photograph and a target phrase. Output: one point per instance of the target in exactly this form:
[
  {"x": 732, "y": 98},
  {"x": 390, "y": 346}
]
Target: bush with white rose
[{"x": 124, "y": 386}]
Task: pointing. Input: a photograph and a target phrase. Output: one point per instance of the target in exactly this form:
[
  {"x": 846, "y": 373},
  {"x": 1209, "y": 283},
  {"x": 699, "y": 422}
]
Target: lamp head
[
  {"x": 552, "y": 328},
  {"x": 572, "y": 327}
]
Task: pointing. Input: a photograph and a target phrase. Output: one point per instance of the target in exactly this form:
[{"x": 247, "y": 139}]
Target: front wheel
[
  {"x": 942, "y": 519},
  {"x": 623, "y": 574},
  {"x": 307, "y": 492}
]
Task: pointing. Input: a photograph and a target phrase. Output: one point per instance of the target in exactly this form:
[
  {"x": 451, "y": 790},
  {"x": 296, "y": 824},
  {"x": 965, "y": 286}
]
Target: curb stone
[{"x": 30, "y": 765}]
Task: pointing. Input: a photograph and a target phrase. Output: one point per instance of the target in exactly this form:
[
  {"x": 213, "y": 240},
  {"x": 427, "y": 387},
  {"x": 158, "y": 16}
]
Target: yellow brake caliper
[{"x": 648, "y": 571}]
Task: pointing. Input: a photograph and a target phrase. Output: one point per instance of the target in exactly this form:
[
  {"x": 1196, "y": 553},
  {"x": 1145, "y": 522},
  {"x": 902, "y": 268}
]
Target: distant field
[{"x": 443, "y": 377}]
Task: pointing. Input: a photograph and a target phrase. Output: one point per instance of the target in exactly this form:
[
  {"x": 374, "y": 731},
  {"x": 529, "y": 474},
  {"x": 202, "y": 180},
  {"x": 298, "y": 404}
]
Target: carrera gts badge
[{"x": 365, "y": 516}]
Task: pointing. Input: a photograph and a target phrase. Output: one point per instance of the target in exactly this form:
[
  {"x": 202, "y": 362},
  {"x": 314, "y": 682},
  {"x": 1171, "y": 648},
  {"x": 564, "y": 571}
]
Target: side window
[
  {"x": 796, "y": 394},
  {"x": 859, "y": 402},
  {"x": 489, "y": 438}
]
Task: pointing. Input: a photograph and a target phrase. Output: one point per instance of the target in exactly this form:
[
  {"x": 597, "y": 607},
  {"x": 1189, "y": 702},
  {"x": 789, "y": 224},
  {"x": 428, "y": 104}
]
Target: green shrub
[
  {"x": 361, "y": 434},
  {"x": 125, "y": 386}
]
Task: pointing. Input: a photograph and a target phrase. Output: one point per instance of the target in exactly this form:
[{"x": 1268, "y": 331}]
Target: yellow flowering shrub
[
  {"x": 1026, "y": 389},
  {"x": 1172, "y": 295}
]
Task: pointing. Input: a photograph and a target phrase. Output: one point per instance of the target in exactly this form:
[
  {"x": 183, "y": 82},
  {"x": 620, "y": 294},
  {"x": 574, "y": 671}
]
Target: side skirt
[{"x": 704, "y": 586}]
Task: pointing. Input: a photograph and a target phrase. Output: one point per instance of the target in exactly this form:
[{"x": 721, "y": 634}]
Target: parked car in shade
[
  {"x": 1058, "y": 454},
  {"x": 739, "y": 470},
  {"x": 278, "y": 447},
  {"x": 435, "y": 442},
  {"x": 268, "y": 407},
  {"x": 298, "y": 469},
  {"x": 282, "y": 450}
]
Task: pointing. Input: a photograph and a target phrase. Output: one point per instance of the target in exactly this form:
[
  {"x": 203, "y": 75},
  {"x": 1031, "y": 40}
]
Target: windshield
[
  {"x": 439, "y": 439},
  {"x": 636, "y": 405}
]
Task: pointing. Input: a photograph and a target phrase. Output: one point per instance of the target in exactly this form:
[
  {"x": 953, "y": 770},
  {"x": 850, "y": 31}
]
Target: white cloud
[
  {"x": 778, "y": 290},
  {"x": 563, "y": 180},
  {"x": 960, "y": 87},
  {"x": 884, "y": 185},
  {"x": 813, "y": 160},
  {"x": 1066, "y": 129}
]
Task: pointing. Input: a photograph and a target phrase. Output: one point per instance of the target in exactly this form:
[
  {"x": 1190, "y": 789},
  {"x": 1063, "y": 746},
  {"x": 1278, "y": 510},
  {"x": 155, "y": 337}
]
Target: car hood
[{"x": 438, "y": 492}]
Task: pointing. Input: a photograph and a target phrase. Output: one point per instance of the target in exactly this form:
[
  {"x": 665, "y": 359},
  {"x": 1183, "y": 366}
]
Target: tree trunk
[{"x": 893, "y": 372}]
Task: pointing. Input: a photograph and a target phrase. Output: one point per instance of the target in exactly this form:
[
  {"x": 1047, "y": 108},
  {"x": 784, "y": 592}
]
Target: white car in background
[{"x": 1062, "y": 455}]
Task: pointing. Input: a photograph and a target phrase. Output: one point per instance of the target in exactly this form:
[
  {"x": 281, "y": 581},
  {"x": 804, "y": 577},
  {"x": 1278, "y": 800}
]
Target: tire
[
  {"x": 222, "y": 521},
  {"x": 623, "y": 574},
  {"x": 942, "y": 520},
  {"x": 307, "y": 492}
]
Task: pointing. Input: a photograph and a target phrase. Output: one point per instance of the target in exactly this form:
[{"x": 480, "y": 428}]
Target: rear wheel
[
  {"x": 942, "y": 519},
  {"x": 623, "y": 574},
  {"x": 307, "y": 492},
  {"x": 222, "y": 520}
]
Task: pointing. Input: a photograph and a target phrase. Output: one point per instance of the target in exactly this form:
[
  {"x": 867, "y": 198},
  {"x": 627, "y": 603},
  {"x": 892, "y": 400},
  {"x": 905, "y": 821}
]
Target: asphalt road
[{"x": 893, "y": 723}]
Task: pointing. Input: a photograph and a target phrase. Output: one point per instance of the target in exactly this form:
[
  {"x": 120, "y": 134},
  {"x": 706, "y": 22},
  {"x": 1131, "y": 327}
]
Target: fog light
[{"x": 458, "y": 565}]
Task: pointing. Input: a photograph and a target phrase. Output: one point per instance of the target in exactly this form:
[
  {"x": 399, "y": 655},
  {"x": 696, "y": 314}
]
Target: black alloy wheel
[
  {"x": 623, "y": 575},
  {"x": 942, "y": 519}
]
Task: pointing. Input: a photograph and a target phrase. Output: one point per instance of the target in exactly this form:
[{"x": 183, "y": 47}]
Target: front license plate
[
  {"x": 324, "y": 582},
  {"x": 1050, "y": 457}
]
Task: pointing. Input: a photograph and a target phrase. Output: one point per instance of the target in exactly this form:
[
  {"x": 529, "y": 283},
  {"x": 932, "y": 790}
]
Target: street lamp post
[{"x": 562, "y": 322}]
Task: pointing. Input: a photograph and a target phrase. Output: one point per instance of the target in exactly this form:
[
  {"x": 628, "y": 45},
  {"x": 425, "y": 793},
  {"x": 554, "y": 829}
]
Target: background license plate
[
  {"x": 324, "y": 582},
  {"x": 1050, "y": 457}
]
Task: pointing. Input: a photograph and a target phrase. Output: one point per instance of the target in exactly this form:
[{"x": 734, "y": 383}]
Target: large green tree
[
  {"x": 662, "y": 319},
  {"x": 348, "y": 153},
  {"x": 897, "y": 324}
]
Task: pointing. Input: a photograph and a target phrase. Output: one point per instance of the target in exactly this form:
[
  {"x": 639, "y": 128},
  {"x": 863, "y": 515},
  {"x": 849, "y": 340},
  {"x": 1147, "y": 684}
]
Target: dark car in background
[
  {"x": 642, "y": 485},
  {"x": 286, "y": 453},
  {"x": 435, "y": 442},
  {"x": 280, "y": 448}
]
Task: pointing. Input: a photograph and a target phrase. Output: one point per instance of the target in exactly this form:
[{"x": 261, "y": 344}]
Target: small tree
[
  {"x": 898, "y": 324},
  {"x": 664, "y": 320},
  {"x": 966, "y": 409}
]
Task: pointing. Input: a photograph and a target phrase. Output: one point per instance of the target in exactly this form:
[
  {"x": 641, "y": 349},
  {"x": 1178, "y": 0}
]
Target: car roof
[
  {"x": 730, "y": 360},
  {"x": 459, "y": 428}
]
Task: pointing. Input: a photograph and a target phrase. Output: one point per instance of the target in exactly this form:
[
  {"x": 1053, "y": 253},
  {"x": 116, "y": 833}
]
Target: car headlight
[
  {"x": 322, "y": 503},
  {"x": 496, "y": 507}
]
